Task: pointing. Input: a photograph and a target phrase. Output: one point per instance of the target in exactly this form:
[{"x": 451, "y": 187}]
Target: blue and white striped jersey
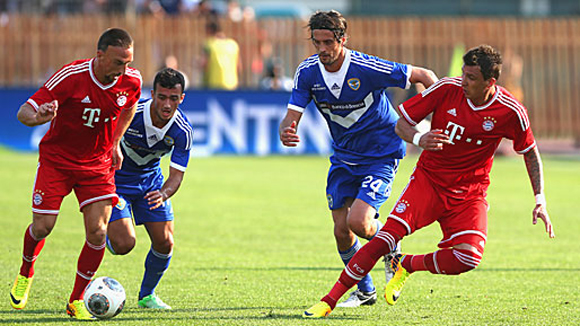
[
  {"x": 354, "y": 103},
  {"x": 143, "y": 144}
]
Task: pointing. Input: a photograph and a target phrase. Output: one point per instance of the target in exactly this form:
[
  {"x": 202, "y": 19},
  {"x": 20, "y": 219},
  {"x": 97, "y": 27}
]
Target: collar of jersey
[
  {"x": 479, "y": 108},
  {"x": 150, "y": 129},
  {"x": 96, "y": 81},
  {"x": 336, "y": 77}
]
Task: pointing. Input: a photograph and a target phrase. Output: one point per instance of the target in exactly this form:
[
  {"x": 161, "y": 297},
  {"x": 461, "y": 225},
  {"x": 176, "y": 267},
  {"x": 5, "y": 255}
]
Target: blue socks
[{"x": 155, "y": 265}]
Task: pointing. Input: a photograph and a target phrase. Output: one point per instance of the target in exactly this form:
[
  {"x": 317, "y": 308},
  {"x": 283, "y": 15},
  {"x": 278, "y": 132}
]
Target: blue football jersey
[
  {"x": 354, "y": 103},
  {"x": 143, "y": 144}
]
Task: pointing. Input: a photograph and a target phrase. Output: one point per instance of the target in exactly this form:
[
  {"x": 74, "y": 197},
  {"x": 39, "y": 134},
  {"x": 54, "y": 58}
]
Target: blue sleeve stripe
[{"x": 384, "y": 68}]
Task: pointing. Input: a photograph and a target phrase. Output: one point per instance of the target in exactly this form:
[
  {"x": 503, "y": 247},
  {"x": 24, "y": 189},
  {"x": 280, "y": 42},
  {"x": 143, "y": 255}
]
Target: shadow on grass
[
  {"x": 26, "y": 317},
  {"x": 339, "y": 269}
]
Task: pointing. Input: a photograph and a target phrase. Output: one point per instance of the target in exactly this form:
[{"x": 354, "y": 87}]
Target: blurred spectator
[
  {"x": 275, "y": 79},
  {"x": 171, "y": 62},
  {"x": 221, "y": 59},
  {"x": 204, "y": 8}
]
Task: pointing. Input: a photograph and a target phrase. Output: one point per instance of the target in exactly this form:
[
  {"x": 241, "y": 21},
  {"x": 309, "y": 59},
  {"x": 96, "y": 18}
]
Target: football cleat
[
  {"x": 77, "y": 310},
  {"x": 152, "y": 301},
  {"x": 19, "y": 292},
  {"x": 359, "y": 298},
  {"x": 395, "y": 285},
  {"x": 389, "y": 271},
  {"x": 319, "y": 310}
]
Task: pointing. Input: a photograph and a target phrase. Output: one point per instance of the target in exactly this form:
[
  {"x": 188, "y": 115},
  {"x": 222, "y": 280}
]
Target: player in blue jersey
[
  {"x": 159, "y": 127},
  {"x": 348, "y": 88}
]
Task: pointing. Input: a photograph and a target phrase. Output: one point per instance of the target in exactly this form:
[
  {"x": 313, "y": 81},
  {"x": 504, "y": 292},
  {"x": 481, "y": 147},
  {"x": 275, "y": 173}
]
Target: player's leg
[
  {"x": 464, "y": 229},
  {"x": 120, "y": 231},
  {"x": 375, "y": 185},
  {"x": 464, "y": 226},
  {"x": 50, "y": 187},
  {"x": 366, "y": 293},
  {"x": 156, "y": 263},
  {"x": 342, "y": 187},
  {"x": 95, "y": 192},
  {"x": 95, "y": 215},
  {"x": 358, "y": 267}
]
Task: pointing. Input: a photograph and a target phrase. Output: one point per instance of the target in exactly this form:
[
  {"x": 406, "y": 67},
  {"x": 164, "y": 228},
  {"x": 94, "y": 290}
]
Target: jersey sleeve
[
  {"x": 521, "y": 132},
  {"x": 421, "y": 105},
  {"x": 138, "y": 83},
  {"x": 182, "y": 146},
  {"x": 300, "y": 96},
  {"x": 53, "y": 89},
  {"x": 383, "y": 73}
]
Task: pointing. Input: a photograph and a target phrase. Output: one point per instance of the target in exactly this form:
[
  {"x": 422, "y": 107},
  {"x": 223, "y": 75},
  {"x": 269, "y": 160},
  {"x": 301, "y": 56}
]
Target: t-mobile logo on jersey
[
  {"x": 91, "y": 116},
  {"x": 455, "y": 132}
]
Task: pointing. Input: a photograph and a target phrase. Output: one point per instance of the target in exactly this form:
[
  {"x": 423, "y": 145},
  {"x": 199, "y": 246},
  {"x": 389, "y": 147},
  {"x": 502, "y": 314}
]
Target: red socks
[
  {"x": 88, "y": 263},
  {"x": 30, "y": 251}
]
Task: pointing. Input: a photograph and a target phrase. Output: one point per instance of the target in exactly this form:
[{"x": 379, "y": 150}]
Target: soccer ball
[{"x": 104, "y": 297}]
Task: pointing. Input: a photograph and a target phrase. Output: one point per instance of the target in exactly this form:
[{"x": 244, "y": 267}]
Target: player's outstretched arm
[
  {"x": 534, "y": 167},
  {"x": 423, "y": 76},
  {"x": 157, "y": 197},
  {"x": 31, "y": 117},
  {"x": 288, "y": 128}
]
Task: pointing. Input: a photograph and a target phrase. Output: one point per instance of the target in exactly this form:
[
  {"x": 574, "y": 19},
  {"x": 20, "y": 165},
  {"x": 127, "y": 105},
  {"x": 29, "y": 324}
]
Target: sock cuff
[{"x": 160, "y": 255}]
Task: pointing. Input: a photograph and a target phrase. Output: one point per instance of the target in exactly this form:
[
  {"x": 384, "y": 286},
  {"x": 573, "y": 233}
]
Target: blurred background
[{"x": 539, "y": 39}]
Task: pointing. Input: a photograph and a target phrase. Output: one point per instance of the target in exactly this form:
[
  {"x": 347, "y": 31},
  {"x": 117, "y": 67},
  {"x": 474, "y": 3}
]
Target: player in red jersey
[
  {"x": 89, "y": 104},
  {"x": 471, "y": 115}
]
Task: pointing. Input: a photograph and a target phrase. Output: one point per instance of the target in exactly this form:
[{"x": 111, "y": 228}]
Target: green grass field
[{"x": 254, "y": 246}]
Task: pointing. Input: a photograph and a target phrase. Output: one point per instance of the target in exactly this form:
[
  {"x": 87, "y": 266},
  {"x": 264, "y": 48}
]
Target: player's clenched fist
[
  {"x": 288, "y": 135},
  {"x": 46, "y": 112}
]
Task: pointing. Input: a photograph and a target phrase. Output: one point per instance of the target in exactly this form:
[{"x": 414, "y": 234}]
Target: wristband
[
  {"x": 417, "y": 138},
  {"x": 540, "y": 199}
]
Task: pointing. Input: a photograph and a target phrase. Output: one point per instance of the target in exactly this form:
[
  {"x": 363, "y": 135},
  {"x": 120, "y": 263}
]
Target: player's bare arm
[
  {"x": 433, "y": 140},
  {"x": 288, "y": 128},
  {"x": 157, "y": 197},
  {"x": 125, "y": 119},
  {"x": 534, "y": 167},
  {"x": 31, "y": 117},
  {"x": 423, "y": 76}
]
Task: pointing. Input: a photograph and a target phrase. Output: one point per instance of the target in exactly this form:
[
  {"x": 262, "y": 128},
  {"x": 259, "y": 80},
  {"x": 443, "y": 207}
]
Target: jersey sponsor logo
[
  {"x": 335, "y": 86},
  {"x": 402, "y": 206},
  {"x": 353, "y": 83},
  {"x": 91, "y": 116},
  {"x": 86, "y": 100},
  {"x": 134, "y": 132},
  {"x": 122, "y": 98},
  {"x": 168, "y": 140},
  {"x": 317, "y": 87},
  {"x": 37, "y": 197},
  {"x": 453, "y": 112},
  {"x": 488, "y": 123},
  {"x": 455, "y": 133}
]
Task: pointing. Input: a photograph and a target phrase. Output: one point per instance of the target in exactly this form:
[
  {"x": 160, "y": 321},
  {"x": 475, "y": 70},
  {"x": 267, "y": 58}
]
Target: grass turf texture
[{"x": 254, "y": 246}]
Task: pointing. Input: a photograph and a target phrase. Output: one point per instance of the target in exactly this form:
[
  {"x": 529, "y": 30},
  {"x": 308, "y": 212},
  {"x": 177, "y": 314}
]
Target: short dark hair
[
  {"x": 331, "y": 20},
  {"x": 114, "y": 37},
  {"x": 169, "y": 78},
  {"x": 487, "y": 58}
]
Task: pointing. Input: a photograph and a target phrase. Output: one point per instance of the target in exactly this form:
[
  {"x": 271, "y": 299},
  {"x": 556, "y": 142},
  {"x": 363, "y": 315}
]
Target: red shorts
[
  {"x": 423, "y": 202},
  {"x": 53, "y": 184}
]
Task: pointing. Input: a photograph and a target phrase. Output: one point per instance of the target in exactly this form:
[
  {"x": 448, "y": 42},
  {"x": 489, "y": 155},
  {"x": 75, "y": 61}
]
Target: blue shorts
[
  {"x": 371, "y": 183},
  {"x": 132, "y": 204}
]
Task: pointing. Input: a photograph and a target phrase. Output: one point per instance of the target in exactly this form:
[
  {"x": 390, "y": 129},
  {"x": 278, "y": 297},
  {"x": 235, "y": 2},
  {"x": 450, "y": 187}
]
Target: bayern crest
[
  {"x": 488, "y": 123},
  {"x": 121, "y": 98},
  {"x": 401, "y": 206}
]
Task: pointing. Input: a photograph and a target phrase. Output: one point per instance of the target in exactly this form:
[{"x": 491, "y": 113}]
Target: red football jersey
[
  {"x": 81, "y": 134},
  {"x": 475, "y": 132}
]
